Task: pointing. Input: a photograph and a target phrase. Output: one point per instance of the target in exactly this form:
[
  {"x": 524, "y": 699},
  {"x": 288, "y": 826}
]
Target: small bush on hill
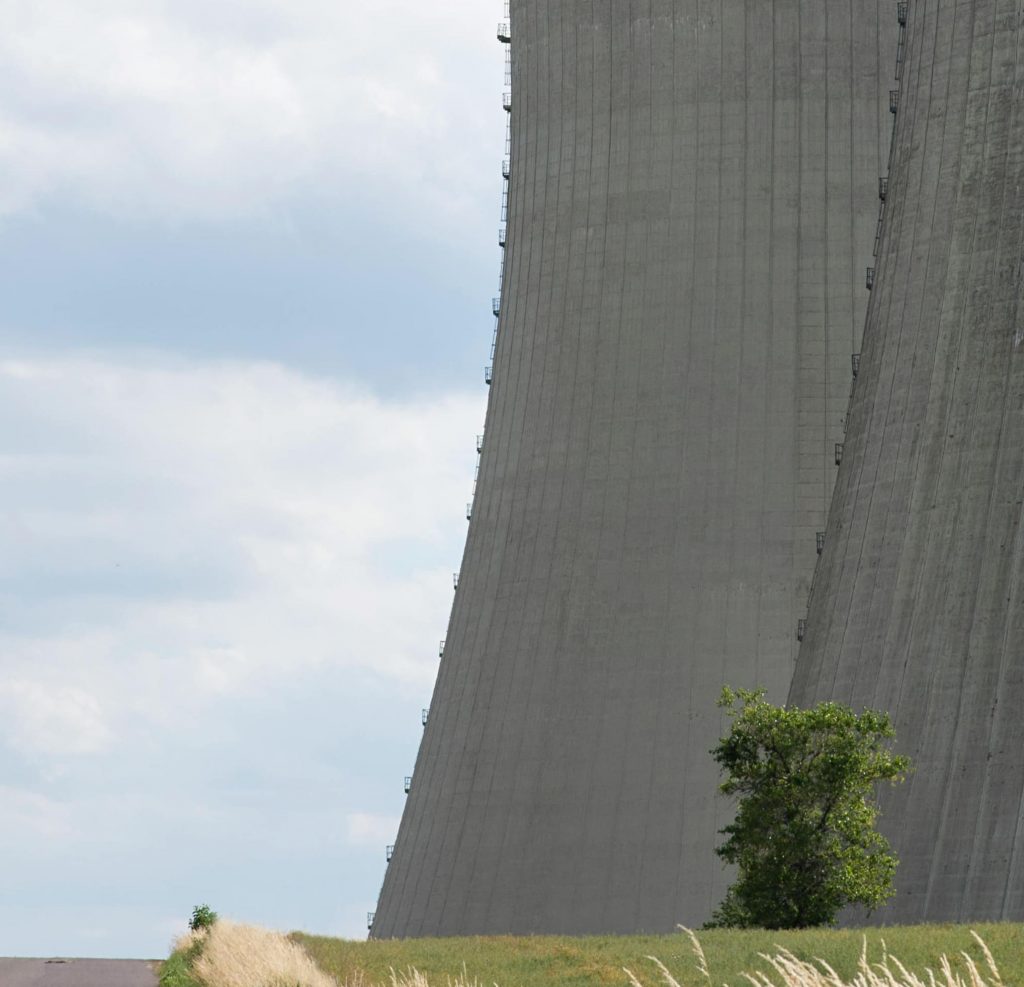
[{"x": 203, "y": 916}]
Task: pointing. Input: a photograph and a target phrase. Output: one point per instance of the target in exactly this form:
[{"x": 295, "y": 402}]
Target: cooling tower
[
  {"x": 918, "y": 603},
  {"x": 692, "y": 205}
]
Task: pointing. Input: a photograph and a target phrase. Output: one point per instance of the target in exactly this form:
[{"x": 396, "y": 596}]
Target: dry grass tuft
[
  {"x": 237, "y": 955},
  {"x": 669, "y": 979},
  {"x": 993, "y": 969},
  {"x": 890, "y": 972},
  {"x": 698, "y": 951},
  {"x": 411, "y": 978},
  {"x": 187, "y": 940}
]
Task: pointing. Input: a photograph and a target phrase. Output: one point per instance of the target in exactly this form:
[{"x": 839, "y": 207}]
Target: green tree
[
  {"x": 803, "y": 840},
  {"x": 203, "y": 916}
]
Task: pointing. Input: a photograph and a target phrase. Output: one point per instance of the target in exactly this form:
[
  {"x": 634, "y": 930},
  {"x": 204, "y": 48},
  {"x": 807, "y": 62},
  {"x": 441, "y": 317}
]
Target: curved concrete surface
[
  {"x": 77, "y": 973},
  {"x": 693, "y": 201},
  {"x": 918, "y": 604}
]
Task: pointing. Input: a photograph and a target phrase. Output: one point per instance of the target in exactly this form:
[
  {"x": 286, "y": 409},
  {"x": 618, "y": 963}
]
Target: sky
[{"x": 247, "y": 251}]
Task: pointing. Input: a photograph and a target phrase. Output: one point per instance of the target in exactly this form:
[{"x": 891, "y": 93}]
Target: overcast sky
[{"x": 247, "y": 249}]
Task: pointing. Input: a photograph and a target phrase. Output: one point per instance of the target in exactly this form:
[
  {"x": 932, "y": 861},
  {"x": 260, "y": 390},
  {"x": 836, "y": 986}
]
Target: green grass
[
  {"x": 543, "y": 961},
  {"x": 176, "y": 970}
]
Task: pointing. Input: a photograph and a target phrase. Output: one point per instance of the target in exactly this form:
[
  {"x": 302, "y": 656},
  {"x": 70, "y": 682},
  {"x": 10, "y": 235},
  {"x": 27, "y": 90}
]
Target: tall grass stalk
[
  {"x": 411, "y": 978},
  {"x": 789, "y": 970}
]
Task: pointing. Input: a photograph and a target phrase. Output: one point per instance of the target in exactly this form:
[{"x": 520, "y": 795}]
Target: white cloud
[
  {"x": 24, "y": 812},
  {"x": 368, "y": 830},
  {"x": 198, "y": 110},
  {"x": 52, "y": 719},
  {"x": 175, "y": 533}
]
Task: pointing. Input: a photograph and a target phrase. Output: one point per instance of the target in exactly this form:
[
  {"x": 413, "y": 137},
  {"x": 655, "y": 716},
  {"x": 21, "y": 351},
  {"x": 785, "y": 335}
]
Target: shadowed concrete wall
[
  {"x": 693, "y": 201},
  {"x": 918, "y": 603}
]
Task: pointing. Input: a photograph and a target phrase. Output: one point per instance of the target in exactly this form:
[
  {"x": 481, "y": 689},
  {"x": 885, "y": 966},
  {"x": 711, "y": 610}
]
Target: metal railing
[{"x": 901, "y": 13}]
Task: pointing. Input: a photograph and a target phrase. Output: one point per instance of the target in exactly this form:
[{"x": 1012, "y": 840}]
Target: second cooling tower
[
  {"x": 918, "y": 604},
  {"x": 693, "y": 202}
]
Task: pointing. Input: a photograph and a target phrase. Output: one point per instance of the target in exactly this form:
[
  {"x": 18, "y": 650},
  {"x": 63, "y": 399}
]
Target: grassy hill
[{"x": 597, "y": 961}]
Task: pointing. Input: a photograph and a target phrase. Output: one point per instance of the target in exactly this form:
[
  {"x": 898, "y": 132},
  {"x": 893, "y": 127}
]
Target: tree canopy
[{"x": 804, "y": 839}]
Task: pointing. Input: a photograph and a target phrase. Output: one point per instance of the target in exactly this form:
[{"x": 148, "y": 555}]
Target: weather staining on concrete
[
  {"x": 693, "y": 198},
  {"x": 918, "y": 602},
  {"x": 77, "y": 973}
]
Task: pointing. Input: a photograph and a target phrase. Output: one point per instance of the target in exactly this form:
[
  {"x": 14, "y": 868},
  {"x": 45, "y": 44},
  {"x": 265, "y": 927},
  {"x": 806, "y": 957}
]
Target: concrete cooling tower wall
[
  {"x": 918, "y": 603},
  {"x": 693, "y": 199}
]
